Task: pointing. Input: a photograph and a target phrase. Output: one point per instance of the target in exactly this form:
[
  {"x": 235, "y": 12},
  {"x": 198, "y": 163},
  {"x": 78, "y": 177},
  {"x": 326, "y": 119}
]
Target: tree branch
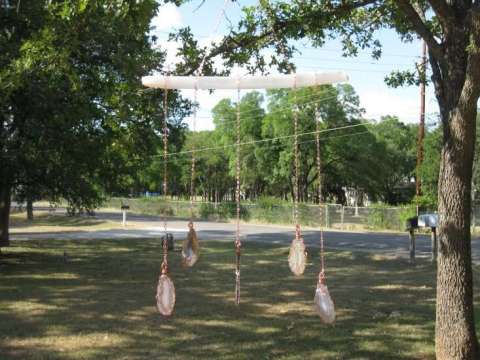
[
  {"x": 230, "y": 43},
  {"x": 420, "y": 28},
  {"x": 471, "y": 89},
  {"x": 438, "y": 83},
  {"x": 443, "y": 11}
]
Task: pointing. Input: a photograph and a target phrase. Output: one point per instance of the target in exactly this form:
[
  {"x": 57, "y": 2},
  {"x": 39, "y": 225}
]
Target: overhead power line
[
  {"x": 271, "y": 146},
  {"x": 263, "y": 140}
]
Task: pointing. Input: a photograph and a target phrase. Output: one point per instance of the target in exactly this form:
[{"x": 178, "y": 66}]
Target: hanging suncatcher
[
  {"x": 297, "y": 257},
  {"x": 322, "y": 301},
  {"x": 165, "y": 289},
  {"x": 191, "y": 247}
]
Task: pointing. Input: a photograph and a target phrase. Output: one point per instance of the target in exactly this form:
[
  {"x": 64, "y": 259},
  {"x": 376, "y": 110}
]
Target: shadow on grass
[
  {"x": 45, "y": 219},
  {"x": 101, "y": 304}
]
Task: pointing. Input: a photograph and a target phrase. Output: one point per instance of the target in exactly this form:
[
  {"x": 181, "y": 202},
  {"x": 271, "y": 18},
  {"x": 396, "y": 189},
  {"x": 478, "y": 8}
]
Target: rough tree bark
[
  {"x": 457, "y": 84},
  {"x": 5, "y": 193},
  {"x": 455, "y": 330}
]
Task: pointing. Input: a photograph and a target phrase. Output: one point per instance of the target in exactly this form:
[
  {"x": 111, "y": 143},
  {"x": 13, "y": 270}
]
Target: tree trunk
[
  {"x": 29, "y": 209},
  {"x": 5, "y": 194},
  {"x": 455, "y": 336}
]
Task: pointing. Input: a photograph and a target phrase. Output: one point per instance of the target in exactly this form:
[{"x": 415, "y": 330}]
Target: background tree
[
  {"x": 73, "y": 114},
  {"x": 398, "y": 159}
]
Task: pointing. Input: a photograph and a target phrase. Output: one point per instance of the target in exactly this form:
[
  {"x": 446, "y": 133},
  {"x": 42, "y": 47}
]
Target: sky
[{"x": 210, "y": 20}]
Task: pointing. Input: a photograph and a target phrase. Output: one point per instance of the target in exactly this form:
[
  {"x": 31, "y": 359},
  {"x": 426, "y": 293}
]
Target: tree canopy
[{"x": 74, "y": 118}]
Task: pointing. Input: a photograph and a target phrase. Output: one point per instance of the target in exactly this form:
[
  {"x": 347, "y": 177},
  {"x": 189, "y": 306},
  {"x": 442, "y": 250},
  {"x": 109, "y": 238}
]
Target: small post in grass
[
  {"x": 342, "y": 216},
  {"x": 411, "y": 234},
  {"x": 327, "y": 218},
  {"x": 124, "y": 208},
  {"x": 411, "y": 225}
]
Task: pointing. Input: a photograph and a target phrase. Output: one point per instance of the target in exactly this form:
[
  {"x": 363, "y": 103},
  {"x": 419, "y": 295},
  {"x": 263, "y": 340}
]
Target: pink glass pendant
[
  {"x": 190, "y": 249},
  {"x": 323, "y": 304},
  {"x": 297, "y": 258},
  {"x": 165, "y": 295}
]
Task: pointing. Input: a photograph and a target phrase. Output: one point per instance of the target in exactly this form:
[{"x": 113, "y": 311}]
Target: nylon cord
[{"x": 238, "y": 243}]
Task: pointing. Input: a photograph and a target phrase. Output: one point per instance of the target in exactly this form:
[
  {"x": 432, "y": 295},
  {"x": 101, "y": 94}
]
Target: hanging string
[
  {"x": 238, "y": 243},
  {"x": 296, "y": 161},
  {"x": 297, "y": 256},
  {"x": 319, "y": 160},
  {"x": 165, "y": 153},
  {"x": 192, "y": 180},
  {"x": 220, "y": 16},
  {"x": 291, "y": 69},
  {"x": 321, "y": 275}
]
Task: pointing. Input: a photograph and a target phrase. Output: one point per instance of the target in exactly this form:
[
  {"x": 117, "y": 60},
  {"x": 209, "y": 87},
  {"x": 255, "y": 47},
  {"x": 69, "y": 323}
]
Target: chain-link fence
[{"x": 327, "y": 215}]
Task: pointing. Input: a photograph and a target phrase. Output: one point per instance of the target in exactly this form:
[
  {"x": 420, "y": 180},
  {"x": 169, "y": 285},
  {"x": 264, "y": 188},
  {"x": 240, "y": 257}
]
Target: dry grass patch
[{"x": 100, "y": 305}]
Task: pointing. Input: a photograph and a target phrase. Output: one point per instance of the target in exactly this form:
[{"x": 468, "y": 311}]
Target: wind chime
[
  {"x": 322, "y": 301},
  {"x": 297, "y": 256},
  {"x": 165, "y": 289},
  {"x": 190, "y": 250}
]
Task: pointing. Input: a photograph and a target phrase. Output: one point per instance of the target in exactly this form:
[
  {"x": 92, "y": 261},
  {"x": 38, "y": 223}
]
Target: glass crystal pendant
[
  {"x": 297, "y": 258},
  {"x": 165, "y": 295},
  {"x": 323, "y": 303},
  {"x": 190, "y": 249}
]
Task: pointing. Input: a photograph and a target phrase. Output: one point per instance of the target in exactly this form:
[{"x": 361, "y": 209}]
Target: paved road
[{"x": 151, "y": 226}]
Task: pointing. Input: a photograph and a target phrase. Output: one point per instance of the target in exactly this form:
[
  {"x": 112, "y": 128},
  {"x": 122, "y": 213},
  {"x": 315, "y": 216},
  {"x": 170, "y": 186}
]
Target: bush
[
  {"x": 309, "y": 215},
  {"x": 228, "y": 210},
  {"x": 405, "y": 213},
  {"x": 164, "y": 209},
  {"x": 381, "y": 216},
  {"x": 268, "y": 202},
  {"x": 206, "y": 210}
]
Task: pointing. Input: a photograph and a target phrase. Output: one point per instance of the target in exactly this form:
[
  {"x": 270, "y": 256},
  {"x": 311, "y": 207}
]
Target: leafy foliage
[{"x": 75, "y": 121}]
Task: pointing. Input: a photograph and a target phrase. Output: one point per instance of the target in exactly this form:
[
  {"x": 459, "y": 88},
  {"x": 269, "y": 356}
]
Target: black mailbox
[
  {"x": 125, "y": 207},
  {"x": 169, "y": 241},
  {"x": 411, "y": 223}
]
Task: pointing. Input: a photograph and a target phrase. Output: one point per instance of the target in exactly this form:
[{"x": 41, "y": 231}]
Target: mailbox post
[
  {"x": 431, "y": 221},
  {"x": 124, "y": 208},
  {"x": 411, "y": 225}
]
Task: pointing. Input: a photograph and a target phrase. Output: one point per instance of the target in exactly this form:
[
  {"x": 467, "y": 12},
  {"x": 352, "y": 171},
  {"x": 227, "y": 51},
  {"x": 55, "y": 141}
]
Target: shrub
[
  {"x": 405, "y": 213},
  {"x": 228, "y": 210},
  {"x": 380, "y": 216},
  {"x": 268, "y": 202},
  {"x": 164, "y": 209},
  {"x": 206, "y": 210}
]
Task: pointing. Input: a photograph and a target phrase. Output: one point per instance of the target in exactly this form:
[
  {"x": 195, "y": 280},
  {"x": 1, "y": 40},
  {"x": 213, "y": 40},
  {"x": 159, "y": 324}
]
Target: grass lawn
[{"x": 101, "y": 304}]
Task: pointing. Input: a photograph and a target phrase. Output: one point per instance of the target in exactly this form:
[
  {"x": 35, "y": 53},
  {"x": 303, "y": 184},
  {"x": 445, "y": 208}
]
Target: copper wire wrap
[
  {"x": 192, "y": 179},
  {"x": 165, "y": 153},
  {"x": 238, "y": 243},
  {"x": 296, "y": 163},
  {"x": 321, "y": 275}
]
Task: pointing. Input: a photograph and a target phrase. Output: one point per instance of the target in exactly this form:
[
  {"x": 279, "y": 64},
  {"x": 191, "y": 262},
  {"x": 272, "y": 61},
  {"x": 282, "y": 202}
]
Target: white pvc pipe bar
[{"x": 244, "y": 82}]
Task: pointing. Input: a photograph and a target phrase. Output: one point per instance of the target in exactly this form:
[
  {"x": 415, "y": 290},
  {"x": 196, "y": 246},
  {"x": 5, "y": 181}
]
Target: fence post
[
  {"x": 124, "y": 218},
  {"x": 411, "y": 235},
  {"x": 327, "y": 217},
  {"x": 342, "y": 216}
]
